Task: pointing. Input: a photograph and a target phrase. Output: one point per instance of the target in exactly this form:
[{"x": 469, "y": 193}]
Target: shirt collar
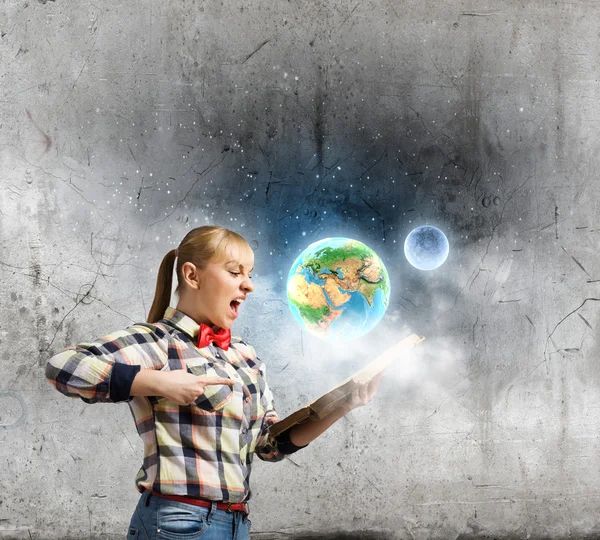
[{"x": 183, "y": 322}]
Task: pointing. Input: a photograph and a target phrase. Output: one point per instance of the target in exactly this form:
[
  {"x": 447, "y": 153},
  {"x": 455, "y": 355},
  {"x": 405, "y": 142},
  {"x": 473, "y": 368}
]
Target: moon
[{"x": 426, "y": 248}]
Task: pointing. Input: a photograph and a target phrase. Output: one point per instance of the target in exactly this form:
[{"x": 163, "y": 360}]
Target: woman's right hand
[{"x": 185, "y": 388}]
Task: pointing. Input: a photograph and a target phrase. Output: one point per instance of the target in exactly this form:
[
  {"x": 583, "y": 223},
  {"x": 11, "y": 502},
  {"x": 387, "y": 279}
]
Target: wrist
[{"x": 161, "y": 384}]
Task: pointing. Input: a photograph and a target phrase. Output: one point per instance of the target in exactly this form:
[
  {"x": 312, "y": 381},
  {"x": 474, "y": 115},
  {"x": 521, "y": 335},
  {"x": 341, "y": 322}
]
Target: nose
[{"x": 248, "y": 285}]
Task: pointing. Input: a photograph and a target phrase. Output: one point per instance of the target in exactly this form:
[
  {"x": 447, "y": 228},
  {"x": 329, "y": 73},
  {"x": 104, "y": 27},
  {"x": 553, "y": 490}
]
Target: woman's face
[{"x": 220, "y": 283}]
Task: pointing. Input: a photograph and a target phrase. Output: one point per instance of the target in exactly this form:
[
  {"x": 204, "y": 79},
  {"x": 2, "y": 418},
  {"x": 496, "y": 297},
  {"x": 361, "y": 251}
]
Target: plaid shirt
[{"x": 200, "y": 450}]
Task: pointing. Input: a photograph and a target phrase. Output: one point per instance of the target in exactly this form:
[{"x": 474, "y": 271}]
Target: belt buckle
[{"x": 229, "y": 507}]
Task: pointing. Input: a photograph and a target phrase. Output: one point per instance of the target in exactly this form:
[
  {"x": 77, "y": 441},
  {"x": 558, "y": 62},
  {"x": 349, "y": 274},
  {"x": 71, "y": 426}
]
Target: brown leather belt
[{"x": 227, "y": 506}]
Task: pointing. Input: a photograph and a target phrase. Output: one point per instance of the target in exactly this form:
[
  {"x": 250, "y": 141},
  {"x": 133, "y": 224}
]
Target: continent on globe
[{"x": 338, "y": 289}]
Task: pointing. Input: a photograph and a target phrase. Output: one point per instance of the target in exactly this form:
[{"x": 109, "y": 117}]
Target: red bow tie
[{"x": 206, "y": 336}]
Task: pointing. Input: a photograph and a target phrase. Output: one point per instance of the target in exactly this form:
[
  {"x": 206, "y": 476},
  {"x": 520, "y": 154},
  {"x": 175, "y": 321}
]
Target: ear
[{"x": 191, "y": 275}]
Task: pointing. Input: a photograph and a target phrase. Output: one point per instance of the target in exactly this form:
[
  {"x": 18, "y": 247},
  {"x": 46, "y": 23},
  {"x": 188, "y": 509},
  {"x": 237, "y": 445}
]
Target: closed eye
[{"x": 237, "y": 274}]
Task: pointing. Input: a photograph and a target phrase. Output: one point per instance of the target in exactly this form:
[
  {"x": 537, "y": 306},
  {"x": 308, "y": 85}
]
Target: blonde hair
[{"x": 200, "y": 246}]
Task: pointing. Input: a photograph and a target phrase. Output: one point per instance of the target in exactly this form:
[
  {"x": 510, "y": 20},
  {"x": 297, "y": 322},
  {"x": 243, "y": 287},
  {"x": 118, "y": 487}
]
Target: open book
[{"x": 331, "y": 400}]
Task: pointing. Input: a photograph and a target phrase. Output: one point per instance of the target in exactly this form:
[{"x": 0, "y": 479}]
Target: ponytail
[{"x": 164, "y": 281}]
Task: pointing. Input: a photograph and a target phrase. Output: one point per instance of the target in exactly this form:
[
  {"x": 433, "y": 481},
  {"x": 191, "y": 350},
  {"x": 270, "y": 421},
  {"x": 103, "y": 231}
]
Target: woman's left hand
[{"x": 363, "y": 394}]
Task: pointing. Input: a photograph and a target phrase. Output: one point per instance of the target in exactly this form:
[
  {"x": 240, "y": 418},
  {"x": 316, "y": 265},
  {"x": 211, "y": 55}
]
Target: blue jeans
[{"x": 157, "y": 518}]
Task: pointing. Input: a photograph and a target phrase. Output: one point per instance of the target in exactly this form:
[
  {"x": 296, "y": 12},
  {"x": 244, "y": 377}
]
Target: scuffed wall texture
[{"x": 125, "y": 124}]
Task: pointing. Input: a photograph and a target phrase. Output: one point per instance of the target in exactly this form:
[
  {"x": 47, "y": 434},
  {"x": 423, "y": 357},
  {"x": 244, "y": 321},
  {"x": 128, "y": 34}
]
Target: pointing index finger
[{"x": 216, "y": 380}]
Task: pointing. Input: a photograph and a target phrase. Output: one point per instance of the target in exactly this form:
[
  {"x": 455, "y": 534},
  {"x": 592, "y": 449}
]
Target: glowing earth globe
[
  {"x": 426, "y": 248},
  {"x": 338, "y": 289}
]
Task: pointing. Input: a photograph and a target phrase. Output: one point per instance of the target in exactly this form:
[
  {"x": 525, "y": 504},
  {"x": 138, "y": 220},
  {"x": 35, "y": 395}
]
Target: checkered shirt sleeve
[{"x": 103, "y": 370}]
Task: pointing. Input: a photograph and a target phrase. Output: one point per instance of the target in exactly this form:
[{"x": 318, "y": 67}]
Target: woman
[{"x": 199, "y": 397}]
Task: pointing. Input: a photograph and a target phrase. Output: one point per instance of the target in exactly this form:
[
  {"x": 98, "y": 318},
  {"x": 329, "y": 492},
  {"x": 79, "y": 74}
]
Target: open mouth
[{"x": 234, "y": 308}]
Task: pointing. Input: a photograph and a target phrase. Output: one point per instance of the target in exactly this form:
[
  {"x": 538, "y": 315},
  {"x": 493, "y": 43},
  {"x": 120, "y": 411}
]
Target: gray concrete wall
[{"x": 125, "y": 124}]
